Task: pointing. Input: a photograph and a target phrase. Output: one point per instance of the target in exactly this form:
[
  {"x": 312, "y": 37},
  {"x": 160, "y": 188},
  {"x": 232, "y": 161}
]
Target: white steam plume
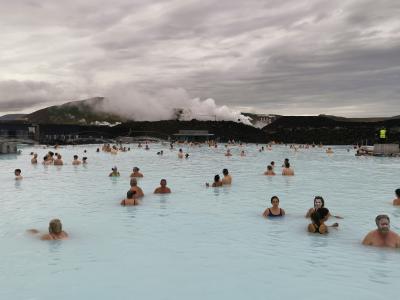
[{"x": 137, "y": 105}]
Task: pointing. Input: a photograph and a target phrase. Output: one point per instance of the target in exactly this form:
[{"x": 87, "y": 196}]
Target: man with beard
[{"x": 383, "y": 236}]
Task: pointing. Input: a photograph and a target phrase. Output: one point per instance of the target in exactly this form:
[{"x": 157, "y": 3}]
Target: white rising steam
[{"x": 163, "y": 104}]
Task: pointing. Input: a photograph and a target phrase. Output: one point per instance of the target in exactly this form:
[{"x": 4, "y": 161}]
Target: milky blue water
[{"x": 198, "y": 242}]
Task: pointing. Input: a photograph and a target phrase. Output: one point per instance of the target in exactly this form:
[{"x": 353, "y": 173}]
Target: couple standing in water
[
  {"x": 226, "y": 180},
  {"x": 318, "y": 214}
]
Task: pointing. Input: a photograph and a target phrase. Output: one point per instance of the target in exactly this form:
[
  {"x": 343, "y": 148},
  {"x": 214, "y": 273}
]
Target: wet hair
[
  {"x": 216, "y": 178},
  {"x": 135, "y": 169},
  {"x": 274, "y": 197},
  {"x": 225, "y": 171},
  {"x": 84, "y": 158},
  {"x": 55, "y": 226},
  {"x": 287, "y": 164},
  {"x": 269, "y": 168},
  {"x": 319, "y": 215},
  {"x": 272, "y": 163},
  {"x": 130, "y": 194},
  {"x": 75, "y": 156},
  {"x": 319, "y": 198},
  {"x": 380, "y": 217},
  {"x": 397, "y": 192},
  {"x": 17, "y": 170},
  {"x": 51, "y": 153}
]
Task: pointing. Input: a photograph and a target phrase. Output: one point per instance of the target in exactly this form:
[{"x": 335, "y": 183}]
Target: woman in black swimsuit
[{"x": 275, "y": 210}]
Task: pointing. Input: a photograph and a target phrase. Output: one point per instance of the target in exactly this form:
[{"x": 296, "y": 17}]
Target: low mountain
[{"x": 82, "y": 112}]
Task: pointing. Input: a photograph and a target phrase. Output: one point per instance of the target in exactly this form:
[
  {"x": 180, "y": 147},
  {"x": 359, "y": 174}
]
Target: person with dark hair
[
  {"x": 34, "y": 159},
  {"x": 397, "y": 200},
  {"x": 287, "y": 170},
  {"x": 17, "y": 173},
  {"x": 272, "y": 163},
  {"x": 180, "y": 153},
  {"x": 58, "y": 161},
  {"x": 76, "y": 161},
  {"x": 286, "y": 160},
  {"x": 270, "y": 171},
  {"x": 318, "y": 219},
  {"x": 383, "y": 236},
  {"x": 319, "y": 203},
  {"x": 275, "y": 210},
  {"x": 136, "y": 173},
  {"x": 55, "y": 231},
  {"x": 217, "y": 182},
  {"x": 227, "y": 177},
  {"x": 84, "y": 160},
  {"x": 131, "y": 199},
  {"x": 163, "y": 189}
]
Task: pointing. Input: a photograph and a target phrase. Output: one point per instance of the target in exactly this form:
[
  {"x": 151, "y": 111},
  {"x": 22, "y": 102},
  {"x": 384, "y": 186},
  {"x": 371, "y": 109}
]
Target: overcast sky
[{"x": 286, "y": 57}]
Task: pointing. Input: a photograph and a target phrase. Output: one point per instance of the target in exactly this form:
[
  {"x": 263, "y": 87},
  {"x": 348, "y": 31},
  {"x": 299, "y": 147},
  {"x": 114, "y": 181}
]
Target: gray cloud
[{"x": 289, "y": 57}]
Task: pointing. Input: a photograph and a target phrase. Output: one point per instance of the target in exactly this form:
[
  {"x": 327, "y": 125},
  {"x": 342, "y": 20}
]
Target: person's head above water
[
  {"x": 216, "y": 178},
  {"x": 269, "y": 168},
  {"x": 163, "y": 182},
  {"x": 319, "y": 215},
  {"x": 319, "y": 202},
  {"x": 274, "y": 200},
  {"x": 55, "y": 226},
  {"x": 135, "y": 169},
  {"x": 397, "y": 192},
  {"x": 287, "y": 164},
  {"x": 383, "y": 223},
  {"x": 75, "y": 156},
  {"x": 17, "y": 172},
  {"x": 225, "y": 171}
]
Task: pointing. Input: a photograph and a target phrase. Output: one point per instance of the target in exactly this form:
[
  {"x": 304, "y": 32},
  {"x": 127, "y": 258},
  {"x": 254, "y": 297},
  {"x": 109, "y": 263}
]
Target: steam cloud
[{"x": 131, "y": 103}]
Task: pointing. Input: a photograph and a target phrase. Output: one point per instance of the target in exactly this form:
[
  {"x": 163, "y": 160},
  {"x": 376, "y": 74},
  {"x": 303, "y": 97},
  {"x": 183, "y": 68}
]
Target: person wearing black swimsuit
[
  {"x": 318, "y": 217},
  {"x": 275, "y": 210}
]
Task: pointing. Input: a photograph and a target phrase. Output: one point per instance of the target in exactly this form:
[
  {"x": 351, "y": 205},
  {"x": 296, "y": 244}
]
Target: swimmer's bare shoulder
[
  {"x": 63, "y": 235},
  {"x": 368, "y": 240}
]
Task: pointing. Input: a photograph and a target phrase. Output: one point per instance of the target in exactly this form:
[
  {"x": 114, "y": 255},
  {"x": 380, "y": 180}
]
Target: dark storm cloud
[{"x": 291, "y": 57}]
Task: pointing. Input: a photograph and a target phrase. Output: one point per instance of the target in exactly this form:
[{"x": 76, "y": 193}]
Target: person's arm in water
[
  {"x": 283, "y": 211},
  {"x": 337, "y": 217},
  {"x": 266, "y": 213}
]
